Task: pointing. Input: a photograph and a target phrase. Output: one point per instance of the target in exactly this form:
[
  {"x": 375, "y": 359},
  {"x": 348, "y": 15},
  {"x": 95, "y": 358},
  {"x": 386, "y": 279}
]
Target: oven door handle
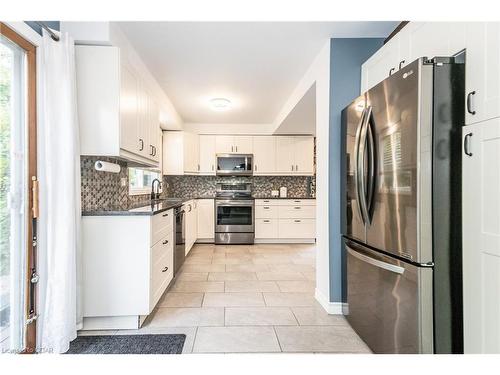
[{"x": 221, "y": 203}]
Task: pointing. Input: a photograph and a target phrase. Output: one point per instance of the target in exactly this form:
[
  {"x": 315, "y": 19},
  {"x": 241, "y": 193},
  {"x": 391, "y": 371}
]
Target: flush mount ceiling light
[{"x": 220, "y": 104}]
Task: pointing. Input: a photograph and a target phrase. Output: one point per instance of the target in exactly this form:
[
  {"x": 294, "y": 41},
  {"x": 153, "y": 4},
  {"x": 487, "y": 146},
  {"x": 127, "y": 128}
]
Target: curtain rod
[{"x": 44, "y": 26}]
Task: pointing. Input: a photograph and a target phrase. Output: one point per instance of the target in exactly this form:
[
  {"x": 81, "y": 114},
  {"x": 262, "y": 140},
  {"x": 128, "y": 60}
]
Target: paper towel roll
[{"x": 104, "y": 166}]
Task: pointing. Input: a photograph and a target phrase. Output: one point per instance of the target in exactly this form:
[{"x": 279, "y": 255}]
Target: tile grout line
[{"x": 277, "y": 339}]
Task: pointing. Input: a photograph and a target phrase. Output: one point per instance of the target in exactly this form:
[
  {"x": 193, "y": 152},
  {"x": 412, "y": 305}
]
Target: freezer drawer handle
[{"x": 376, "y": 262}]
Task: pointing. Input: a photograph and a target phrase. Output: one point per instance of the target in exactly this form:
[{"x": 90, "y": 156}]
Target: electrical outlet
[{"x": 123, "y": 181}]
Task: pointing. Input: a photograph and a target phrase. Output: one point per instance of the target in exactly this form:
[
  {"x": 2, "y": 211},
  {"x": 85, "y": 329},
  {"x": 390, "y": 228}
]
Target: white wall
[
  {"x": 319, "y": 74},
  {"x": 109, "y": 33}
]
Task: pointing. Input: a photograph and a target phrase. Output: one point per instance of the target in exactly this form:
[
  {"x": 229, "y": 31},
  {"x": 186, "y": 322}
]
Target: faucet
[{"x": 155, "y": 195}]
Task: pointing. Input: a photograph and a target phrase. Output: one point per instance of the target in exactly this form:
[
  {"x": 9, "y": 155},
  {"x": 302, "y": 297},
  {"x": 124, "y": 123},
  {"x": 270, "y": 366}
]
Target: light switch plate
[{"x": 123, "y": 181}]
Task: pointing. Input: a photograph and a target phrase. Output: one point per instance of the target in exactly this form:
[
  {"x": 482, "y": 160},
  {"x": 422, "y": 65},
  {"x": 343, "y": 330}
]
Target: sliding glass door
[{"x": 17, "y": 168}]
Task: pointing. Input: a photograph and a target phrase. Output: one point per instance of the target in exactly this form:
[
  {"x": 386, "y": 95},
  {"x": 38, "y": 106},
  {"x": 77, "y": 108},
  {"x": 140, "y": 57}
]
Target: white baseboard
[{"x": 332, "y": 308}]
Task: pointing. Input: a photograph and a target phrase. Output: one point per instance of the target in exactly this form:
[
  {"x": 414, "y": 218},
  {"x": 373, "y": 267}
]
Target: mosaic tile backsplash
[{"x": 101, "y": 189}]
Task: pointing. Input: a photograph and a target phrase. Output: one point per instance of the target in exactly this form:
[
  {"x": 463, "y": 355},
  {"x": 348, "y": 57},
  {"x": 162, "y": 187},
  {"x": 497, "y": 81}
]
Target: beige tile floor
[{"x": 250, "y": 299}]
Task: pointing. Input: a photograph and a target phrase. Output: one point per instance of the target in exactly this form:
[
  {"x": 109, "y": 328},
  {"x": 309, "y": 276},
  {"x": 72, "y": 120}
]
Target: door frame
[{"x": 32, "y": 189}]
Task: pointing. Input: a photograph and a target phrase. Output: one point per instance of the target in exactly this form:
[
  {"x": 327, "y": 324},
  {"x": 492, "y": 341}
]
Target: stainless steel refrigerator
[{"x": 401, "y": 209}]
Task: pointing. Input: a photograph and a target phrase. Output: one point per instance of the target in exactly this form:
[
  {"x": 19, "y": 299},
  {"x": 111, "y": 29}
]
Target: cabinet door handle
[
  {"x": 165, "y": 215},
  {"x": 296, "y": 167},
  {"x": 165, "y": 242},
  {"x": 255, "y": 167},
  {"x": 467, "y": 144},
  {"x": 142, "y": 144},
  {"x": 469, "y": 102},
  {"x": 401, "y": 64},
  {"x": 154, "y": 147},
  {"x": 165, "y": 269},
  {"x": 292, "y": 167},
  {"x": 232, "y": 148},
  {"x": 391, "y": 71},
  {"x": 297, "y": 208},
  {"x": 266, "y": 221},
  {"x": 151, "y": 147},
  {"x": 212, "y": 167},
  {"x": 297, "y": 221},
  {"x": 198, "y": 167}
]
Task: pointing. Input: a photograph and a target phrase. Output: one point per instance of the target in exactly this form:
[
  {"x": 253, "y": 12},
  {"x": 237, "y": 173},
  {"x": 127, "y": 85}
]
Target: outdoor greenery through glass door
[{"x": 13, "y": 194}]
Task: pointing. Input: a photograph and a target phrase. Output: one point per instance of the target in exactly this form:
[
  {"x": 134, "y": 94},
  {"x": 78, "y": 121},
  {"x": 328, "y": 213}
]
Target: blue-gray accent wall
[
  {"x": 346, "y": 57},
  {"x": 52, "y": 24}
]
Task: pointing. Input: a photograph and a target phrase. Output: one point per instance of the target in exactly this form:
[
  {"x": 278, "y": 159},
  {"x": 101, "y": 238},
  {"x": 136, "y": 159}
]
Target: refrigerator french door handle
[
  {"x": 376, "y": 262},
  {"x": 361, "y": 165},
  {"x": 372, "y": 166},
  {"x": 356, "y": 165}
]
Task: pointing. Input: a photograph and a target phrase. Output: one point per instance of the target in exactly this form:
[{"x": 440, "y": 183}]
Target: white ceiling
[{"x": 256, "y": 65}]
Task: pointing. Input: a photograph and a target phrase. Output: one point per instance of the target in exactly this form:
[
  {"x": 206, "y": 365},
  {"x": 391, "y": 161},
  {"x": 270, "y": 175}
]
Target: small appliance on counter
[
  {"x": 275, "y": 193},
  {"x": 283, "y": 192}
]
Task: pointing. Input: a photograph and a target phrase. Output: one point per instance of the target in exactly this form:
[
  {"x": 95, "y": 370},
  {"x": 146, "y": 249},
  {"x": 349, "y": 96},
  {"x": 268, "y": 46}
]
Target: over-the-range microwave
[{"x": 234, "y": 164}]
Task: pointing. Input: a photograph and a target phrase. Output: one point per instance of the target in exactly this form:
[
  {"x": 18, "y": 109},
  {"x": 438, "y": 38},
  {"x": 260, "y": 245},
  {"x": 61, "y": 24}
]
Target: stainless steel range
[{"x": 234, "y": 213}]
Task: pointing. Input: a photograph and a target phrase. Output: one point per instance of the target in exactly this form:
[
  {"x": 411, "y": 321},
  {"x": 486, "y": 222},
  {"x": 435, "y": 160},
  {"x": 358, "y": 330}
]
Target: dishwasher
[{"x": 180, "y": 239}]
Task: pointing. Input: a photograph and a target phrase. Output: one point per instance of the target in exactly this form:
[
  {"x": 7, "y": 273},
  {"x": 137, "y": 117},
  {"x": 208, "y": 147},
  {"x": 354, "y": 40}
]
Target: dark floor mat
[{"x": 128, "y": 344}]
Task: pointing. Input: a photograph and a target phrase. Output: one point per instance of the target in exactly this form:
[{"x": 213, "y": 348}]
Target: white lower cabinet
[
  {"x": 190, "y": 207},
  {"x": 481, "y": 237},
  {"x": 285, "y": 220},
  {"x": 127, "y": 266},
  {"x": 206, "y": 220}
]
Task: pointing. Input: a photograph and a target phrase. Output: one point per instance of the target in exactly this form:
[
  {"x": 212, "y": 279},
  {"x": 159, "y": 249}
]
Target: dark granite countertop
[{"x": 144, "y": 208}]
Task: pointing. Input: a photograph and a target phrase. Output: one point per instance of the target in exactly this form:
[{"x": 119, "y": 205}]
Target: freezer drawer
[{"x": 389, "y": 302}]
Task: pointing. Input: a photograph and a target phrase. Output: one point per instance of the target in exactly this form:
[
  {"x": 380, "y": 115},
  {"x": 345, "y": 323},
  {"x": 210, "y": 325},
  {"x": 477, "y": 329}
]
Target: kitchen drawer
[
  {"x": 266, "y": 202},
  {"x": 162, "y": 247},
  {"x": 266, "y": 212},
  {"x": 297, "y": 228},
  {"x": 295, "y": 202},
  {"x": 161, "y": 225},
  {"x": 297, "y": 212},
  {"x": 162, "y": 272},
  {"x": 266, "y": 228}
]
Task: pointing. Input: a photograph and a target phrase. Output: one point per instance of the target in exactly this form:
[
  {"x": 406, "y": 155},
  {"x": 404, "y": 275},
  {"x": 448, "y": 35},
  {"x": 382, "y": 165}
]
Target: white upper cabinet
[
  {"x": 285, "y": 159},
  {"x": 191, "y": 153},
  {"x": 482, "y": 71},
  {"x": 115, "y": 116},
  {"x": 229, "y": 144},
  {"x": 264, "y": 155},
  {"x": 304, "y": 155},
  {"x": 207, "y": 154},
  {"x": 383, "y": 63},
  {"x": 243, "y": 144},
  {"x": 295, "y": 155},
  {"x": 224, "y": 144},
  {"x": 173, "y": 153}
]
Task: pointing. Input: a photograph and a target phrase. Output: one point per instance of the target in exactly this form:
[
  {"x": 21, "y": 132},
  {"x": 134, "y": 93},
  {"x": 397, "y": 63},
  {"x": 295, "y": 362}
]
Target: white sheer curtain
[{"x": 60, "y": 212}]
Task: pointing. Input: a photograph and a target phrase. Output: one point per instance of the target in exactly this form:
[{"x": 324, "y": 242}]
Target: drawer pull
[
  {"x": 297, "y": 208},
  {"x": 164, "y": 215},
  {"x": 266, "y": 201},
  {"x": 165, "y": 269},
  {"x": 266, "y": 221},
  {"x": 165, "y": 242},
  {"x": 297, "y": 221},
  {"x": 266, "y": 208}
]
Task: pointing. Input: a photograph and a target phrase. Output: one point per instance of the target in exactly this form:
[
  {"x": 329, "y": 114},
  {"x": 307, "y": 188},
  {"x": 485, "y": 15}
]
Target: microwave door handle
[
  {"x": 361, "y": 165},
  {"x": 375, "y": 262},
  {"x": 356, "y": 166}
]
